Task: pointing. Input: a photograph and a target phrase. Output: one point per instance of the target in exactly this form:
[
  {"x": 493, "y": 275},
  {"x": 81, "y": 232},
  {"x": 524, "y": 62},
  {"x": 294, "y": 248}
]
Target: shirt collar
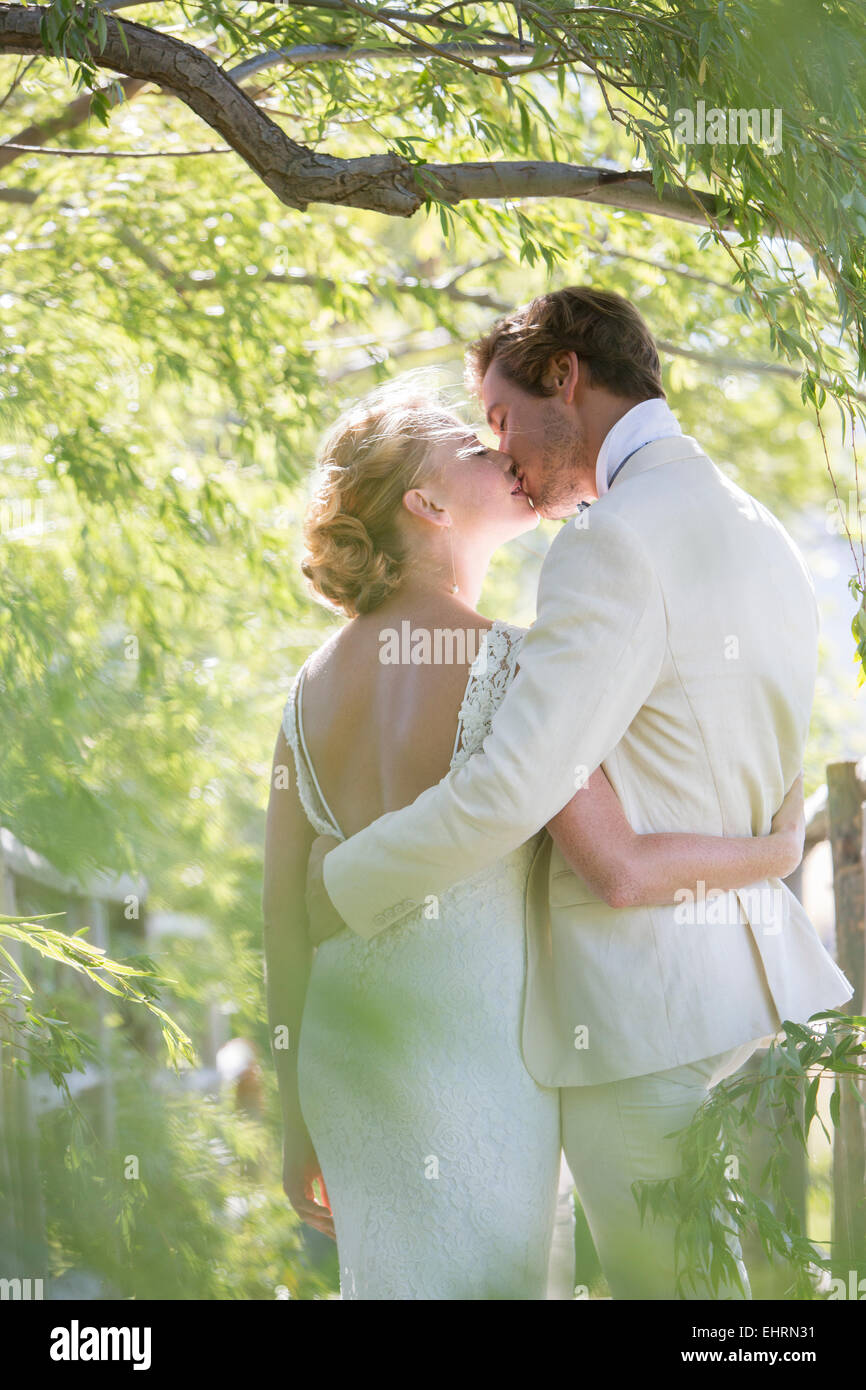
[{"x": 644, "y": 423}]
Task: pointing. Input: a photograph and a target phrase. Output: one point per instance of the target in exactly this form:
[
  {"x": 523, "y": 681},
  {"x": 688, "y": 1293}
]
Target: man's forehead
[{"x": 494, "y": 389}]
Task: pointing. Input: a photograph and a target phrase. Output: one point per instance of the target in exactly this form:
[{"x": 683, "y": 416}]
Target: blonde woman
[{"x": 412, "y": 1131}]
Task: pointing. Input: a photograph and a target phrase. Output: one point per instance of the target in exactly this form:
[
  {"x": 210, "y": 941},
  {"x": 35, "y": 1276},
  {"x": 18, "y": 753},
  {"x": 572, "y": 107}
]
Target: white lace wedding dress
[{"x": 440, "y": 1152}]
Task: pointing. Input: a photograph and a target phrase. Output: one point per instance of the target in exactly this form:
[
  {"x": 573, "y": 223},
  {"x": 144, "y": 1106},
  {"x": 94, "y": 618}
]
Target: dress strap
[
  {"x": 312, "y": 771},
  {"x": 316, "y": 808}
]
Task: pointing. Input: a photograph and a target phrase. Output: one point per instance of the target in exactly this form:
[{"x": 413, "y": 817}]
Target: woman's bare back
[{"x": 378, "y": 732}]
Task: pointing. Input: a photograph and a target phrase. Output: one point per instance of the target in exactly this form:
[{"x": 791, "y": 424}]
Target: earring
[{"x": 455, "y": 588}]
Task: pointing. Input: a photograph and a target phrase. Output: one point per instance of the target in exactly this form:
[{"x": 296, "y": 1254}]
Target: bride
[{"x": 413, "y": 1133}]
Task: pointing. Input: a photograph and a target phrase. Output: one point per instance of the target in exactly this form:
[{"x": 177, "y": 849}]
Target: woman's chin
[
  {"x": 515, "y": 523},
  {"x": 526, "y": 520}
]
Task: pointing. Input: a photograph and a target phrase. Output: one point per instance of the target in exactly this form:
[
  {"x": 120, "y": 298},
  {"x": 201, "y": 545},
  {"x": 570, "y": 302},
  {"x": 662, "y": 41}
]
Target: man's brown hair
[{"x": 605, "y": 331}]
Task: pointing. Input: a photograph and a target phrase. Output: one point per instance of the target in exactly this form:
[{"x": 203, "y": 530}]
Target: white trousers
[{"x": 620, "y": 1132}]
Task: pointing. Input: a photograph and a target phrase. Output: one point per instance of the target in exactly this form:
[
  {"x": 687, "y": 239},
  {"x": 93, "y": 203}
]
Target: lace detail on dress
[
  {"x": 316, "y": 809},
  {"x": 491, "y": 674}
]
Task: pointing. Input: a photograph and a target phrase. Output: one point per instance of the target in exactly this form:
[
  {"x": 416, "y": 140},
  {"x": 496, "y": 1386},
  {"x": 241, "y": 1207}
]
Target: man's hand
[
  {"x": 790, "y": 821},
  {"x": 323, "y": 919}
]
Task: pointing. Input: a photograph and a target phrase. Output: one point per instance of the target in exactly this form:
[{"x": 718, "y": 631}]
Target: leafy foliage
[
  {"x": 201, "y": 1216},
  {"x": 596, "y": 85},
  {"x": 174, "y": 339},
  {"x": 52, "y": 1042},
  {"x": 716, "y": 1201}
]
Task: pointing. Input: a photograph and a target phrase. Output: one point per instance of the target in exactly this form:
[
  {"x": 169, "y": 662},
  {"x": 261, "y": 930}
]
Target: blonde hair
[{"x": 376, "y": 451}]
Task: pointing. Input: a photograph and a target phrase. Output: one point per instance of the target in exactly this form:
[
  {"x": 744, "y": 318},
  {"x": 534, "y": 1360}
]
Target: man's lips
[{"x": 520, "y": 491}]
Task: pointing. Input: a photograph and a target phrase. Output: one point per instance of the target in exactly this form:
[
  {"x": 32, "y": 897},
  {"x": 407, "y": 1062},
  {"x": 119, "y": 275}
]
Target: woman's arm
[
  {"x": 630, "y": 870},
  {"x": 288, "y": 958}
]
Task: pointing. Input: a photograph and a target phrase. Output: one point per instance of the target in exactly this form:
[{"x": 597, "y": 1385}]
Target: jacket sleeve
[{"x": 587, "y": 665}]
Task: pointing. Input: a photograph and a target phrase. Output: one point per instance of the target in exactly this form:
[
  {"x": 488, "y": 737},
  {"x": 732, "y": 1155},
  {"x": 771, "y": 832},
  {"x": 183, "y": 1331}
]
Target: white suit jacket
[{"x": 675, "y": 645}]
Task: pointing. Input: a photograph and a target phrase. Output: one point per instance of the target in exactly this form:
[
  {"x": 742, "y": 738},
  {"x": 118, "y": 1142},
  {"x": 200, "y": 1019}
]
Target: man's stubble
[{"x": 566, "y": 467}]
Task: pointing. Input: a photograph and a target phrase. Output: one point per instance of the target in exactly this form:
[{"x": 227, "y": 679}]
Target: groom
[{"x": 675, "y": 645}]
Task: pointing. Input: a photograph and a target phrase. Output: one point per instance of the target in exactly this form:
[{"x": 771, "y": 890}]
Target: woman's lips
[{"x": 520, "y": 491}]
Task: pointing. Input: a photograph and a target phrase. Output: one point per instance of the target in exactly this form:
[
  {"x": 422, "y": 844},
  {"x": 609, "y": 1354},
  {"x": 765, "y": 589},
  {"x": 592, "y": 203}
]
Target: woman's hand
[
  {"x": 301, "y": 1171},
  {"x": 789, "y": 823}
]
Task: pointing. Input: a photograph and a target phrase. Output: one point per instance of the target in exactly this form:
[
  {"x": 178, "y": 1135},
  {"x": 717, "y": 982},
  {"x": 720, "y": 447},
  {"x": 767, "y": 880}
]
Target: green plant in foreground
[
  {"x": 713, "y": 1202},
  {"x": 49, "y": 1042}
]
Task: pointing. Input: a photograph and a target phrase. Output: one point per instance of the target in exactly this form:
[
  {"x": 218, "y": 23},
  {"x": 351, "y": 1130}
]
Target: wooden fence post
[
  {"x": 846, "y": 786},
  {"x": 23, "y": 1252},
  {"x": 771, "y": 1280}
]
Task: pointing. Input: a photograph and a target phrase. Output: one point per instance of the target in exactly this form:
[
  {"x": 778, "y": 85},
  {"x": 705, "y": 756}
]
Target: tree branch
[
  {"x": 178, "y": 283},
  {"x": 67, "y": 152},
  {"x": 75, "y": 114},
  {"x": 305, "y": 55},
  {"x": 621, "y": 188},
  {"x": 17, "y": 195},
  {"x": 720, "y": 363},
  {"x": 298, "y": 176},
  {"x": 427, "y": 21},
  {"x": 449, "y": 288},
  {"x": 666, "y": 267}
]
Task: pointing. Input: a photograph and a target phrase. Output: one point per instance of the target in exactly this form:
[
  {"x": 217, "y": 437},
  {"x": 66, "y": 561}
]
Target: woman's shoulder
[
  {"x": 323, "y": 656},
  {"x": 310, "y": 674}
]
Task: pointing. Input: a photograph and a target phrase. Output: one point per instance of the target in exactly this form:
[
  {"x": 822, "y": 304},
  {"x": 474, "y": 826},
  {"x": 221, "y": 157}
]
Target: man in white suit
[{"x": 675, "y": 646}]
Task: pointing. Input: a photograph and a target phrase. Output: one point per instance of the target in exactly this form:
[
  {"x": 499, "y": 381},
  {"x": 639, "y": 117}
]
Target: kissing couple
[{"x": 506, "y": 949}]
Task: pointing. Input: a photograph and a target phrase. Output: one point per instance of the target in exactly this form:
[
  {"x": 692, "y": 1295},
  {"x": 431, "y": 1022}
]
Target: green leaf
[
  {"x": 16, "y": 967},
  {"x": 835, "y": 1102}
]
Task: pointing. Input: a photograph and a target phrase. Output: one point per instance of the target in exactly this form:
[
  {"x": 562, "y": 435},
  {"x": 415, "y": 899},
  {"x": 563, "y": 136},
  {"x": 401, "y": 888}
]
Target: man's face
[{"x": 545, "y": 439}]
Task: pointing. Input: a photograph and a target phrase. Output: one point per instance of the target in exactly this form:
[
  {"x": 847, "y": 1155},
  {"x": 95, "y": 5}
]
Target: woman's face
[{"x": 475, "y": 484}]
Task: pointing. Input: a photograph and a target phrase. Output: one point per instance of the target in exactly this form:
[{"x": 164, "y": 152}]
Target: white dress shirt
[{"x": 641, "y": 425}]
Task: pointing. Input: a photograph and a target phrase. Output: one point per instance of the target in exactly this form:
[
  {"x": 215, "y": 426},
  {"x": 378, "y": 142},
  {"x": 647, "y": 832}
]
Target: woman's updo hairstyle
[{"x": 379, "y": 449}]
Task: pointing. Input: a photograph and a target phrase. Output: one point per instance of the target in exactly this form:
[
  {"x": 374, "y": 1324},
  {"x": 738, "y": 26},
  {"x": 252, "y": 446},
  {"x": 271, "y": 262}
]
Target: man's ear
[
  {"x": 563, "y": 374},
  {"x": 420, "y": 504}
]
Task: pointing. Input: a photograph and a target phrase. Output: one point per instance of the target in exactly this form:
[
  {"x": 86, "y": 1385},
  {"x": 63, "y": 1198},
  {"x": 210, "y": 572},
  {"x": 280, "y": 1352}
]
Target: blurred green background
[{"x": 173, "y": 342}]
